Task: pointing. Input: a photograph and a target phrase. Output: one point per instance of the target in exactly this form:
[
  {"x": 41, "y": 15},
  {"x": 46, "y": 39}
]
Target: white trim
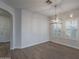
[{"x": 67, "y": 42}]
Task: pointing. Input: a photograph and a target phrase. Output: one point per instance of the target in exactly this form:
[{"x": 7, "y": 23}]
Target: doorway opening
[{"x": 6, "y": 27}]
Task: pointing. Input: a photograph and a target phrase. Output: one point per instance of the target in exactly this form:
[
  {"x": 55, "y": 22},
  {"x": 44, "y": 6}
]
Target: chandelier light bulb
[{"x": 71, "y": 15}]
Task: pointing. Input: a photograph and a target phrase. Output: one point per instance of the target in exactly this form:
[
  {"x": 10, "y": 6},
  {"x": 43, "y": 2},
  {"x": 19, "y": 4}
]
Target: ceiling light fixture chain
[{"x": 55, "y": 12}]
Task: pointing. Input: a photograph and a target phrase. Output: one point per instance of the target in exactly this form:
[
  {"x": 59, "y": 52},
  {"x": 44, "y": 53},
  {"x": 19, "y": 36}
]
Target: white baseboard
[
  {"x": 34, "y": 44},
  {"x": 67, "y": 42},
  {"x": 29, "y": 45}
]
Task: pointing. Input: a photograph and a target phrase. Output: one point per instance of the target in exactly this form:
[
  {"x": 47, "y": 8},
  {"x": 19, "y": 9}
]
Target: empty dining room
[{"x": 39, "y": 29}]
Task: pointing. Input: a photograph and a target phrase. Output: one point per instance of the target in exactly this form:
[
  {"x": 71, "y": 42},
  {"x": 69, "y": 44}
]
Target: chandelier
[{"x": 55, "y": 4}]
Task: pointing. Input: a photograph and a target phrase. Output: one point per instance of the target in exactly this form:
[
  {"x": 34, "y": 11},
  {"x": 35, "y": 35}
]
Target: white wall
[
  {"x": 4, "y": 28},
  {"x": 18, "y": 28},
  {"x": 34, "y": 28}
]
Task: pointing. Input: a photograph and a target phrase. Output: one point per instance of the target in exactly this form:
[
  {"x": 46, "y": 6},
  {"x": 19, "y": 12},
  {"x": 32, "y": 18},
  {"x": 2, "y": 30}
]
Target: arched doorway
[{"x": 6, "y": 32}]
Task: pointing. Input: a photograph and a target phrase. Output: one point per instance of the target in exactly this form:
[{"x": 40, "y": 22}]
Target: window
[
  {"x": 71, "y": 28},
  {"x": 56, "y": 30}
]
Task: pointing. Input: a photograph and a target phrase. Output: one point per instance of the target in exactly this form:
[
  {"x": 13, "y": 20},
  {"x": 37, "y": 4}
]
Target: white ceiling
[{"x": 42, "y": 7}]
